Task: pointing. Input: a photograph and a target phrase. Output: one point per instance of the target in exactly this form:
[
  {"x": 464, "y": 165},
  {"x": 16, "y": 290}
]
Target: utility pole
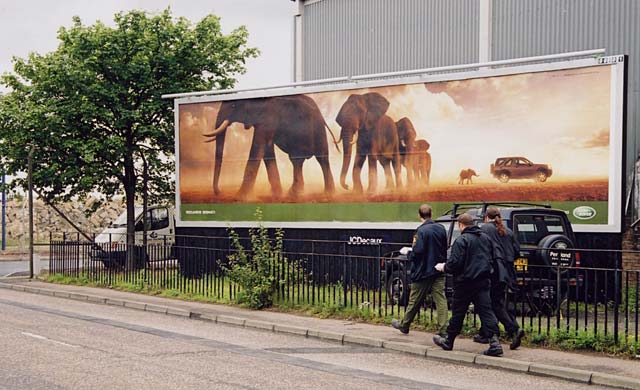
[{"x": 30, "y": 173}]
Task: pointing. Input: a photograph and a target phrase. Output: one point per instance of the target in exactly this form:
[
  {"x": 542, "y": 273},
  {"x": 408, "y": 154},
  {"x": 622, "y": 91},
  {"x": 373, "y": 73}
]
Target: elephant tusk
[
  {"x": 355, "y": 139},
  {"x": 220, "y": 129}
]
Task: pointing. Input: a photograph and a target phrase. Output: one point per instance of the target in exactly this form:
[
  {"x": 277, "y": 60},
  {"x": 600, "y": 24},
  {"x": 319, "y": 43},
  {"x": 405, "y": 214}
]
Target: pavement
[{"x": 587, "y": 368}]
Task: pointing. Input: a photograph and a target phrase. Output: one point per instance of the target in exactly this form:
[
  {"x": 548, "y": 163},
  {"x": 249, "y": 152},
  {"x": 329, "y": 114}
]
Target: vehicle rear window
[{"x": 530, "y": 229}]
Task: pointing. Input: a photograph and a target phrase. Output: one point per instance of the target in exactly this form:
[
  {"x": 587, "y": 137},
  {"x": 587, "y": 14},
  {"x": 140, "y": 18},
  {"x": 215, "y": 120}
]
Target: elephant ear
[
  {"x": 377, "y": 106},
  {"x": 352, "y": 112}
]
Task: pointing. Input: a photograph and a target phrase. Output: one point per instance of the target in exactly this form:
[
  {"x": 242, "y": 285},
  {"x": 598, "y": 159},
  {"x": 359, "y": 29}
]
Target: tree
[{"x": 92, "y": 108}]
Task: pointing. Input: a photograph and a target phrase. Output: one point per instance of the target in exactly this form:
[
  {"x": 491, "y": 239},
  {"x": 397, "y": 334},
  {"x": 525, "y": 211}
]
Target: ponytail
[{"x": 493, "y": 213}]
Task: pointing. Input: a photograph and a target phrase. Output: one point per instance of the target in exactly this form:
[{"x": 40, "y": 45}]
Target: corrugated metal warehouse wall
[{"x": 351, "y": 37}]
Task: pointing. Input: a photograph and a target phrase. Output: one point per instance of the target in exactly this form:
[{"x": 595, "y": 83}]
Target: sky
[{"x": 31, "y": 26}]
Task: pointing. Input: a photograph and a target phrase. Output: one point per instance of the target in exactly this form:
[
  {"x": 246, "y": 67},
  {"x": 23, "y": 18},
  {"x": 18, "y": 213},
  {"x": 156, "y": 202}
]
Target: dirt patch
[{"x": 576, "y": 191}]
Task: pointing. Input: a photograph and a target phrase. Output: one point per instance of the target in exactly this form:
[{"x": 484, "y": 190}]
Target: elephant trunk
[{"x": 346, "y": 136}]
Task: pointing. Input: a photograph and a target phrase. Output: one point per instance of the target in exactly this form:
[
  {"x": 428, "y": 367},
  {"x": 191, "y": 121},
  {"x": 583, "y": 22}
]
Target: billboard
[{"x": 367, "y": 154}]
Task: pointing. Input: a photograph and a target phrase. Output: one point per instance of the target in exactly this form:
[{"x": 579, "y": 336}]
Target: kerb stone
[
  {"x": 614, "y": 381},
  {"x": 135, "y": 305},
  {"x": 290, "y": 330},
  {"x": 453, "y": 356},
  {"x": 326, "y": 335},
  {"x": 351, "y": 339},
  {"x": 156, "y": 309},
  {"x": 500, "y": 362},
  {"x": 414, "y": 349},
  {"x": 259, "y": 325},
  {"x": 228, "y": 320},
  {"x": 178, "y": 312},
  {"x": 561, "y": 372}
]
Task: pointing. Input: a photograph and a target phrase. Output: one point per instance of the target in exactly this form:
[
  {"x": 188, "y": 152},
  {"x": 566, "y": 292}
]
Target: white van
[{"x": 111, "y": 248}]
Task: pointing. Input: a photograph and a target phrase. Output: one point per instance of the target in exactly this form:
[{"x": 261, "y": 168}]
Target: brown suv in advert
[{"x": 506, "y": 168}]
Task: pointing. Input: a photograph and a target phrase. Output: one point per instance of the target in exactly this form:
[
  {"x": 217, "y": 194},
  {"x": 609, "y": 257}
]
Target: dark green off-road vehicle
[{"x": 547, "y": 254}]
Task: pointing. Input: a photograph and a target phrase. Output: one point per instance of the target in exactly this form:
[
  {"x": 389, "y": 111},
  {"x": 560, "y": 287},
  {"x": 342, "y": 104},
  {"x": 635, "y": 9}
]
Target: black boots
[
  {"x": 480, "y": 339},
  {"x": 396, "y": 325},
  {"x": 495, "y": 349},
  {"x": 445, "y": 343},
  {"x": 517, "y": 339}
]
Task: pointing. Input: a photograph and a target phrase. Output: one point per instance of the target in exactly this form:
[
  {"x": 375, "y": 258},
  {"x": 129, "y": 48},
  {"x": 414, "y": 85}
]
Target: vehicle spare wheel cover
[{"x": 552, "y": 253}]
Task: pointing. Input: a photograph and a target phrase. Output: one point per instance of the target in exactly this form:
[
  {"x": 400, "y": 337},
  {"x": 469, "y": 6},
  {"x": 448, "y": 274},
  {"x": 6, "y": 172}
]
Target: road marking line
[{"x": 36, "y": 336}]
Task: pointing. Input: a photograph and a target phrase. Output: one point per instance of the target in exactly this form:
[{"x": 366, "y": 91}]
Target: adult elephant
[
  {"x": 406, "y": 147},
  {"x": 422, "y": 161},
  {"x": 293, "y": 123},
  {"x": 364, "y": 122}
]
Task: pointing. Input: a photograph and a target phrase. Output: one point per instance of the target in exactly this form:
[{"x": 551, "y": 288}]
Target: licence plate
[{"x": 522, "y": 264}]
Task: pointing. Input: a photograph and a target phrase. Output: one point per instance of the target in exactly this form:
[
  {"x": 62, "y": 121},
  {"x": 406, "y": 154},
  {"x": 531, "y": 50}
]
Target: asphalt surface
[
  {"x": 54, "y": 343},
  {"x": 19, "y": 267}
]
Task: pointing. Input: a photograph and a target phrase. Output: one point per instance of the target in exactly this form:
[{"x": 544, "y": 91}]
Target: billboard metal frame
[{"x": 481, "y": 71}]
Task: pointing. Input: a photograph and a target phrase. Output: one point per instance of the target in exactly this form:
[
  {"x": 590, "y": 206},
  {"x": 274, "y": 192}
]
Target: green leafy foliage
[
  {"x": 92, "y": 109},
  {"x": 253, "y": 270}
]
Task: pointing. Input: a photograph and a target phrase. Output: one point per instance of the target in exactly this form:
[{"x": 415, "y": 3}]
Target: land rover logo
[{"x": 584, "y": 212}]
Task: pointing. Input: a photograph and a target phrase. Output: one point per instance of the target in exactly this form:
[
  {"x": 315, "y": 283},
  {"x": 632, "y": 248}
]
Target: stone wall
[
  {"x": 630, "y": 256},
  {"x": 47, "y": 220}
]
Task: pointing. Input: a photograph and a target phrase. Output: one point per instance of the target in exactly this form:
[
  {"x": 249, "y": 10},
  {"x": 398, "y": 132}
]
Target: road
[
  {"x": 52, "y": 343},
  {"x": 19, "y": 267}
]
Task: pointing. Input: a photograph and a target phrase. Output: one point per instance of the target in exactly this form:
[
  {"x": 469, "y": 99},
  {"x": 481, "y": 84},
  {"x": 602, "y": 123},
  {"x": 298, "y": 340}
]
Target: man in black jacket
[
  {"x": 429, "y": 248},
  {"x": 504, "y": 276},
  {"x": 470, "y": 263}
]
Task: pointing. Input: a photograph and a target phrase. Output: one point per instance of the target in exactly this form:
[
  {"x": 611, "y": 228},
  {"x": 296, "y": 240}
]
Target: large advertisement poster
[{"x": 369, "y": 156}]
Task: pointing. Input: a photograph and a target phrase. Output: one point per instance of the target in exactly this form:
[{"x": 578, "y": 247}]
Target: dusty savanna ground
[{"x": 523, "y": 190}]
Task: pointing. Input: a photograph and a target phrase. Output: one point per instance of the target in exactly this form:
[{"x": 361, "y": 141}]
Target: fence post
[
  {"x": 558, "y": 296},
  {"x": 616, "y": 302},
  {"x": 344, "y": 274}
]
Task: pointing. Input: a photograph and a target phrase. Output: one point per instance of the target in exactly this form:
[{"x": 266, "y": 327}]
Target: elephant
[
  {"x": 422, "y": 161},
  {"x": 466, "y": 175},
  {"x": 364, "y": 122},
  {"x": 408, "y": 157},
  {"x": 293, "y": 123}
]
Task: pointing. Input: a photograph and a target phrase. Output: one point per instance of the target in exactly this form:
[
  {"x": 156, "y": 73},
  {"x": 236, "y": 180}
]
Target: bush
[{"x": 252, "y": 270}]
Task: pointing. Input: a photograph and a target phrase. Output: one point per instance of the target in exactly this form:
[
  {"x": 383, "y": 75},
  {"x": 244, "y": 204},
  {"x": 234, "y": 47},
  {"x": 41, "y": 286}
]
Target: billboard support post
[
  {"x": 4, "y": 209},
  {"x": 30, "y": 173}
]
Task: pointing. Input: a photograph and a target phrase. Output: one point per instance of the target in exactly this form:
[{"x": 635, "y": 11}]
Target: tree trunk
[{"x": 130, "y": 193}]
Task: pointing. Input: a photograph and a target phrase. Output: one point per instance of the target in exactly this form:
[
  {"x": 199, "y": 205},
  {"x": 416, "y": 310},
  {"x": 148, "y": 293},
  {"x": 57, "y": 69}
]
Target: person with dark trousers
[
  {"x": 470, "y": 263},
  {"x": 429, "y": 248},
  {"x": 503, "y": 278}
]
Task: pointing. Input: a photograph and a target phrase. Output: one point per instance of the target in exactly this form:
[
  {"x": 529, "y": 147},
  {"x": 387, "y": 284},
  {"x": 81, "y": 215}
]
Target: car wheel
[
  {"x": 397, "y": 289},
  {"x": 542, "y": 176},
  {"x": 503, "y": 177}
]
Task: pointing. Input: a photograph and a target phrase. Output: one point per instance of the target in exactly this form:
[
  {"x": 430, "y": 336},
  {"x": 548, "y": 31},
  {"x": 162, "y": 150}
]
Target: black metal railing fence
[{"x": 331, "y": 275}]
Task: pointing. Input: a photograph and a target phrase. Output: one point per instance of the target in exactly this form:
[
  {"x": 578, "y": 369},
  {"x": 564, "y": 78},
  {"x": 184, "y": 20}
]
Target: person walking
[
  {"x": 504, "y": 276},
  {"x": 470, "y": 263},
  {"x": 429, "y": 248}
]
